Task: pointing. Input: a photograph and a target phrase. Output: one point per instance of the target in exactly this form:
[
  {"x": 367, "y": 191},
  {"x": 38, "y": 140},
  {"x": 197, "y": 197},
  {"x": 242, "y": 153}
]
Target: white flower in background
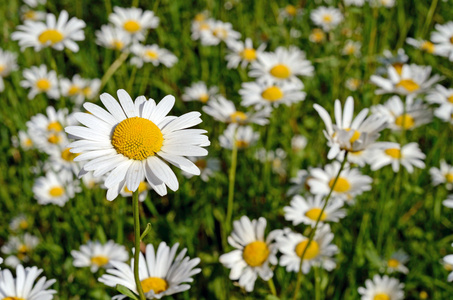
[
  {"x": 448, "y": 261},
  {"x": 224, "y": 110},
  {"x": 198, "y": 91},
  {"x": 397, "y": 261},
  {"x": 426, "y": 46},
  {"x": 254, "y": 253},
  {"x": 444, "y": 113},
  {"x": 353, "y": 84},
  {"x": 381, "y": 288},
  {"x": 134, "y": 21},
  {"x": 275, "y": 158},
  {"x": 317, "y": 35},
  {"x": 91, "y": 182},
  {"x": 290, "y": 11},
  {"x": 243, "y": 53},
  {"x": 298, "y": 143},
  {"x": 358, "y": 3},
  {"x": 448, "y": 202},
  {"x": 152, "y": 54},
  {"x": 132, "y": 141},
  {"x": 219, "y": 32},
  {"x": 326, "y": 17},
  {"x": 386, "y": 153},
  {"x": 61, "y": 161},
  {"x": 299, "y": 183},
  {"x": 442, "y": 39},
  {"x": 20, "y": 222},
  {"x": 8, "y": 63},
  {"x": 56, "y": 33},
  {"x": 442, "y": 96},
  {"x": 35, "y": 3},
  {"x": 284, "y": 64},
  {"x": 23, "y": 140},
  {"x": 352, "y": 48},
  {"x": 96, "y": 255},
  {"x": 142, "y": 189},
  {"x": 38, "y": 80},
  {"x": 161, "y": 273},
  {"x": 444, "y": 175},
  {"x": 319, "y": 253},
  {"x": 242, "y": 136},
  {"x": 384, "y": 3},
  {"x": 200, "y": 24},
  {"x": 350, "y": 183},
  {"x": 308, "y": 210},
  {"x": 359, "y": 158},
  {"x": 264, "y": 93},
  {"x": 113, "y": 38},
  {"x": 396, "y": 60},
  {"x": 24, "y": 285},
  {"x": 208, "y": 167},
  {"x": 19, "y": 249},
  {"x": 31, "y": 14},
  {"x": 53, "y": 189},
  {"x": 79, "y": 89},
  {"x": 414, "y": 115}
]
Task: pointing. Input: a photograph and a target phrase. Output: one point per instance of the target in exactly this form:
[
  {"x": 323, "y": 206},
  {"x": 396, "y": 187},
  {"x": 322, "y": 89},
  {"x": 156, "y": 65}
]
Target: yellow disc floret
[
  {"x": 280, "y": 71},
  {"x": 255, "y": 253},
  {"x": 131, "y": 26},
  {"x": 393, "y": 263},
  {"x": 341, "y": 186},
  {"x": 409, "y": 85},
  {"x": 50, "y": 35},
  {"x": 56, "y": 191},
  {"x": 314, "y": 214},
  {"x": 67, "y": 155},
  {"x": 13, "y": 298},
  {"x": 311, "y": 252},
  {"x": 405, "y": 121},
  {"x": 158, "y": 285},
  {"x": 249, "y": 54},
  {"x": 381, "y": 296},
  {"x": 100, "y": 260},
  {"x": 238, "y": 117},
  {"x": 43, "y": 84},
  {"x": 272, "y": 94},
  {"x": 393, "y": 152}
]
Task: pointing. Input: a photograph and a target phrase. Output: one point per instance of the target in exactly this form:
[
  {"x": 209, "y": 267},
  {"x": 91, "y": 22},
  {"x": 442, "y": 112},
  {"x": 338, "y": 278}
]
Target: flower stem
[
  {"x": 272, "y": 287},
  {"x": 112, "y": 69},
  {"x": 137, "y": 244},
  {"x": 231, "y": 178},
  {"x": 313, "y": 231}
]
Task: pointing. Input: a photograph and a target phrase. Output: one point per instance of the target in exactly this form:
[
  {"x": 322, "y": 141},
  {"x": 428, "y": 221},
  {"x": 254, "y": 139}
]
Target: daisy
[
  {"x": 61, "y": 161},
  {"x": 390, "y": 59},
  {"x": 152, "y": 54},
  {"x": 350, "y": 183},
  {"x": 348, "y": 134},
  {"x": 359, "y": 158},
  {"x": 23, "y": 140},
  {"x": 198, "y": 91},
  {"x": 282, "y": 65},
  {"x": 442, "y": 39},
  {"x": 90, "y": 182},
  {"x": 161, "y": 273},
  {"x": 397, "y": 261},
  {"x": 243, "y": 53},
  {"x": 134, "y": 21},
  {"x": 398, "y": 117},
  {"x": 442, "y": 96},
  {"x": 290, "y": 11},
  {"x": 308, "y": 210},
  {"x": 358, "y": 3},
  {"x": 299, "y": 183},
  {"x": 58, "y": 34},
  {"x": 317, "y": 36},
  {"x": 224, "y": 110},
  {"x": 96, "y": 255},
  {"x": 30, "y": 14},
  {"x": 448, "y": 261},
  {"x": 298, "y": 143},
  {"x": 409, "y": 156},
  {"x": 448, "y": 202},
  {"x": 208, "y": 167},
  {"x": 201, "y": 25},
  {"x": 326, "y": 17},
  {"x": 426, "y": 46},
  {"x": 133, "y": 138},
  {"x": 444, "y": 113},
  {"x": 264, "y": 93},
  {"x": 353, "y": 84},
  {"x": 382, "y": 288},
  {"x": 319, "y": 253},
  {"x": 442, "y": 175},
  {"x": 352, "y": 48},
  {"x": 8, "y": 63},
  {"x": 384, "y": 3},
  {"x": 24, "y": 285},
  {"x": 142, "y": 189},
  {"x": 54, "y": 189},
  {"x": 242, "y": 136},
  {"x": 20, "y": 222},
  {"x": 38, "y": 80},
  {"x": 35, "y": 3},
  {"x": 219, "y": 32},
  {"x": 19, "y": 248},
  {"x": 113, "y": 38},
  {"x": 275, "y": 158},
  {"x": 79, "y": 89}
]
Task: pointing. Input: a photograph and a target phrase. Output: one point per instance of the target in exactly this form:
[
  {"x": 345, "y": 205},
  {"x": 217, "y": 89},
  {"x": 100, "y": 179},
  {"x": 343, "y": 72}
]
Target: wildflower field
[{"x": 249, "y": 149}]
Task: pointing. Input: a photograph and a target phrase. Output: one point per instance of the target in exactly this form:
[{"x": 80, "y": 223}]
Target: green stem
[
  {"x": 112, "y": 69},
  {"x": 272, "y": 287},
  {"x": 317, "y": 284},
  {"x": 429, "y": 17},
  {"x": 313, "y": 231},
  {"x": 231, "y": 177},
  {"x": 137, "y": 244}
]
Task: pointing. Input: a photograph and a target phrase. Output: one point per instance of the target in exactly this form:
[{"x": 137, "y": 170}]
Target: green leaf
[{"x": 125, "y": 291}]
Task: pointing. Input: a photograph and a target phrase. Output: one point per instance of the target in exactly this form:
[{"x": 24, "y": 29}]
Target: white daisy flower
[
  {"x": 442, "y": 39},
  {"x": 38, "y": 80},
  {"x": 319, "y": 253},
  {"x": 58, "y": 34},
  {"x": 20, "y": 222},
  {"x": 31, "y": 14},
  {"x": 161, "y": 273},
  {"x": 448, "y": 202},
  {"x": 326, "y": 17},
  {"x": 414, "y": 115},
  {"x": 132, "y": 139},
  {"x": 308, "y": 210},
  {"x": 90, "y": 182},
  {"x": 198, "y": 91},
  {"x": 442, "y": 96},
  {"x": 299, "y": 183},
  {"x": 8, "y": 63},
  {"x": 243, "y": 136},
  {"x": 35, "y": 3},
  {"x": 243, "y": 53},
  {"x": 384, "y": 3},
  {"x": 426, "y": 46},
  {"x": 290, "y": 11},
  {"x": 219, "y": 32},
  {"x": 358, "y": 3},
  {"x": 381, "y": 288},
  {"x": 397, "y": 60},
  {"x": 54, "y": 189},
  {"x": 445, "y": 113},
  {"x": 264, "y": 93},
  {"x": 352, "y": 48},
  {"x": 353, "y": 84},
  {"x": 200, "y": 24},
  {"x": 448, "y": 261},
  {"x": 317, "y": 35},
  {"x": 359, "y": 158},
  {"x": 23, "y": 140},
  {"x": 96, "y": 255},
  {"x": 397, "y": 261},
  {"x": 298, "y": 143},
  {"x": 224, "y": 110},
  {"x": 113, "y": 38},
  {"x": 386, "y": 153},
  {"x": 152, "y": 54},
  {"x": 61, "y": 161},
  {"x": 282, "y": 65},
  {"x": 208, "y": 167},
  {"x": 79, "y": 89},
  {"x": 134, "y": 21},
  {"x": 442, "y": 175},
  {"x": 253, "y": 252},
  {"x": 24, "y": 286},
  {"x": 275, "y": 158},
  {"x": 19, "y": 249},
  {"x": 348, "y": 134},
  {"x": 350, "y": 183}
]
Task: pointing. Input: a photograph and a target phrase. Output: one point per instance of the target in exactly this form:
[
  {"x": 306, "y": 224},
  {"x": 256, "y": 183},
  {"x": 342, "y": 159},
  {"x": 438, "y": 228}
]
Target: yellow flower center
[
  {"x": 141, "y": 188},
  {"x": 341, "y": 186},
  {"x": 2, "y": 67},
  {"x": 381, "y": 296},
  {"x": 423, "y": 295},
  {"x": 409, "y": 85},
  {"x": 199, "y": 17},
  {"x": 311, "y": 252},
  {"x": 427, "y": 46},
  {"x": 327, "y": 18},
  {"x": 242, "y": 144},
  {"x": 13, "y": 298},
  {"x": 131, "y": 26},
  {"x": 238, "y": 117},
  {"x": 137, "y": 138},
  {"x": 398, "y": 67},
  {"x": 204, "y": 98},
  {"x": 158, "y": 285},
  {"x": 220, "y": 33},
  {"x": 28, "y": 142},
  {"x": 393, "y": 152},
  {"x": 280, "y": 71},
  {"x": 350, "y": 49},
  {"x": 291, "y": 10},
  {"x": 100, "y": 260},
  {"x": 23, "y": 224},
  {"x": 29, "y": 15},
  {"x": 273, "y": 93},
  {"x": 449, "y": 177},
  {"x": 56, "y": 191},
  {"x": 43, "y": 84},
  {"x": 50, "y": 35},
  {"x": 317, "y": 35},
  {"x": 67, "y": 155},
  {"x": 249, "y": 54},
  {"x": 117, "y": 44},
  {"x": 86, "y": 91},
  {"x": 152, "y": 54},
  {"x": 204, "y": 26},
  {"x": 54, "y": 126},
  {"x": 450, "y": 99},
  {"x": 73, "y": 90},
  {"x": 22, "y": 248},
  {"x": 54, "y": 138},
  {"x": 355, "y": 136},
  {"x": 451, "y": 39},
  {"x": 405, "y": 121},
  {"x": 255, "y": 253},
  {"x": 393, "y": 263},
  {"x": 314, "y": 214}
]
